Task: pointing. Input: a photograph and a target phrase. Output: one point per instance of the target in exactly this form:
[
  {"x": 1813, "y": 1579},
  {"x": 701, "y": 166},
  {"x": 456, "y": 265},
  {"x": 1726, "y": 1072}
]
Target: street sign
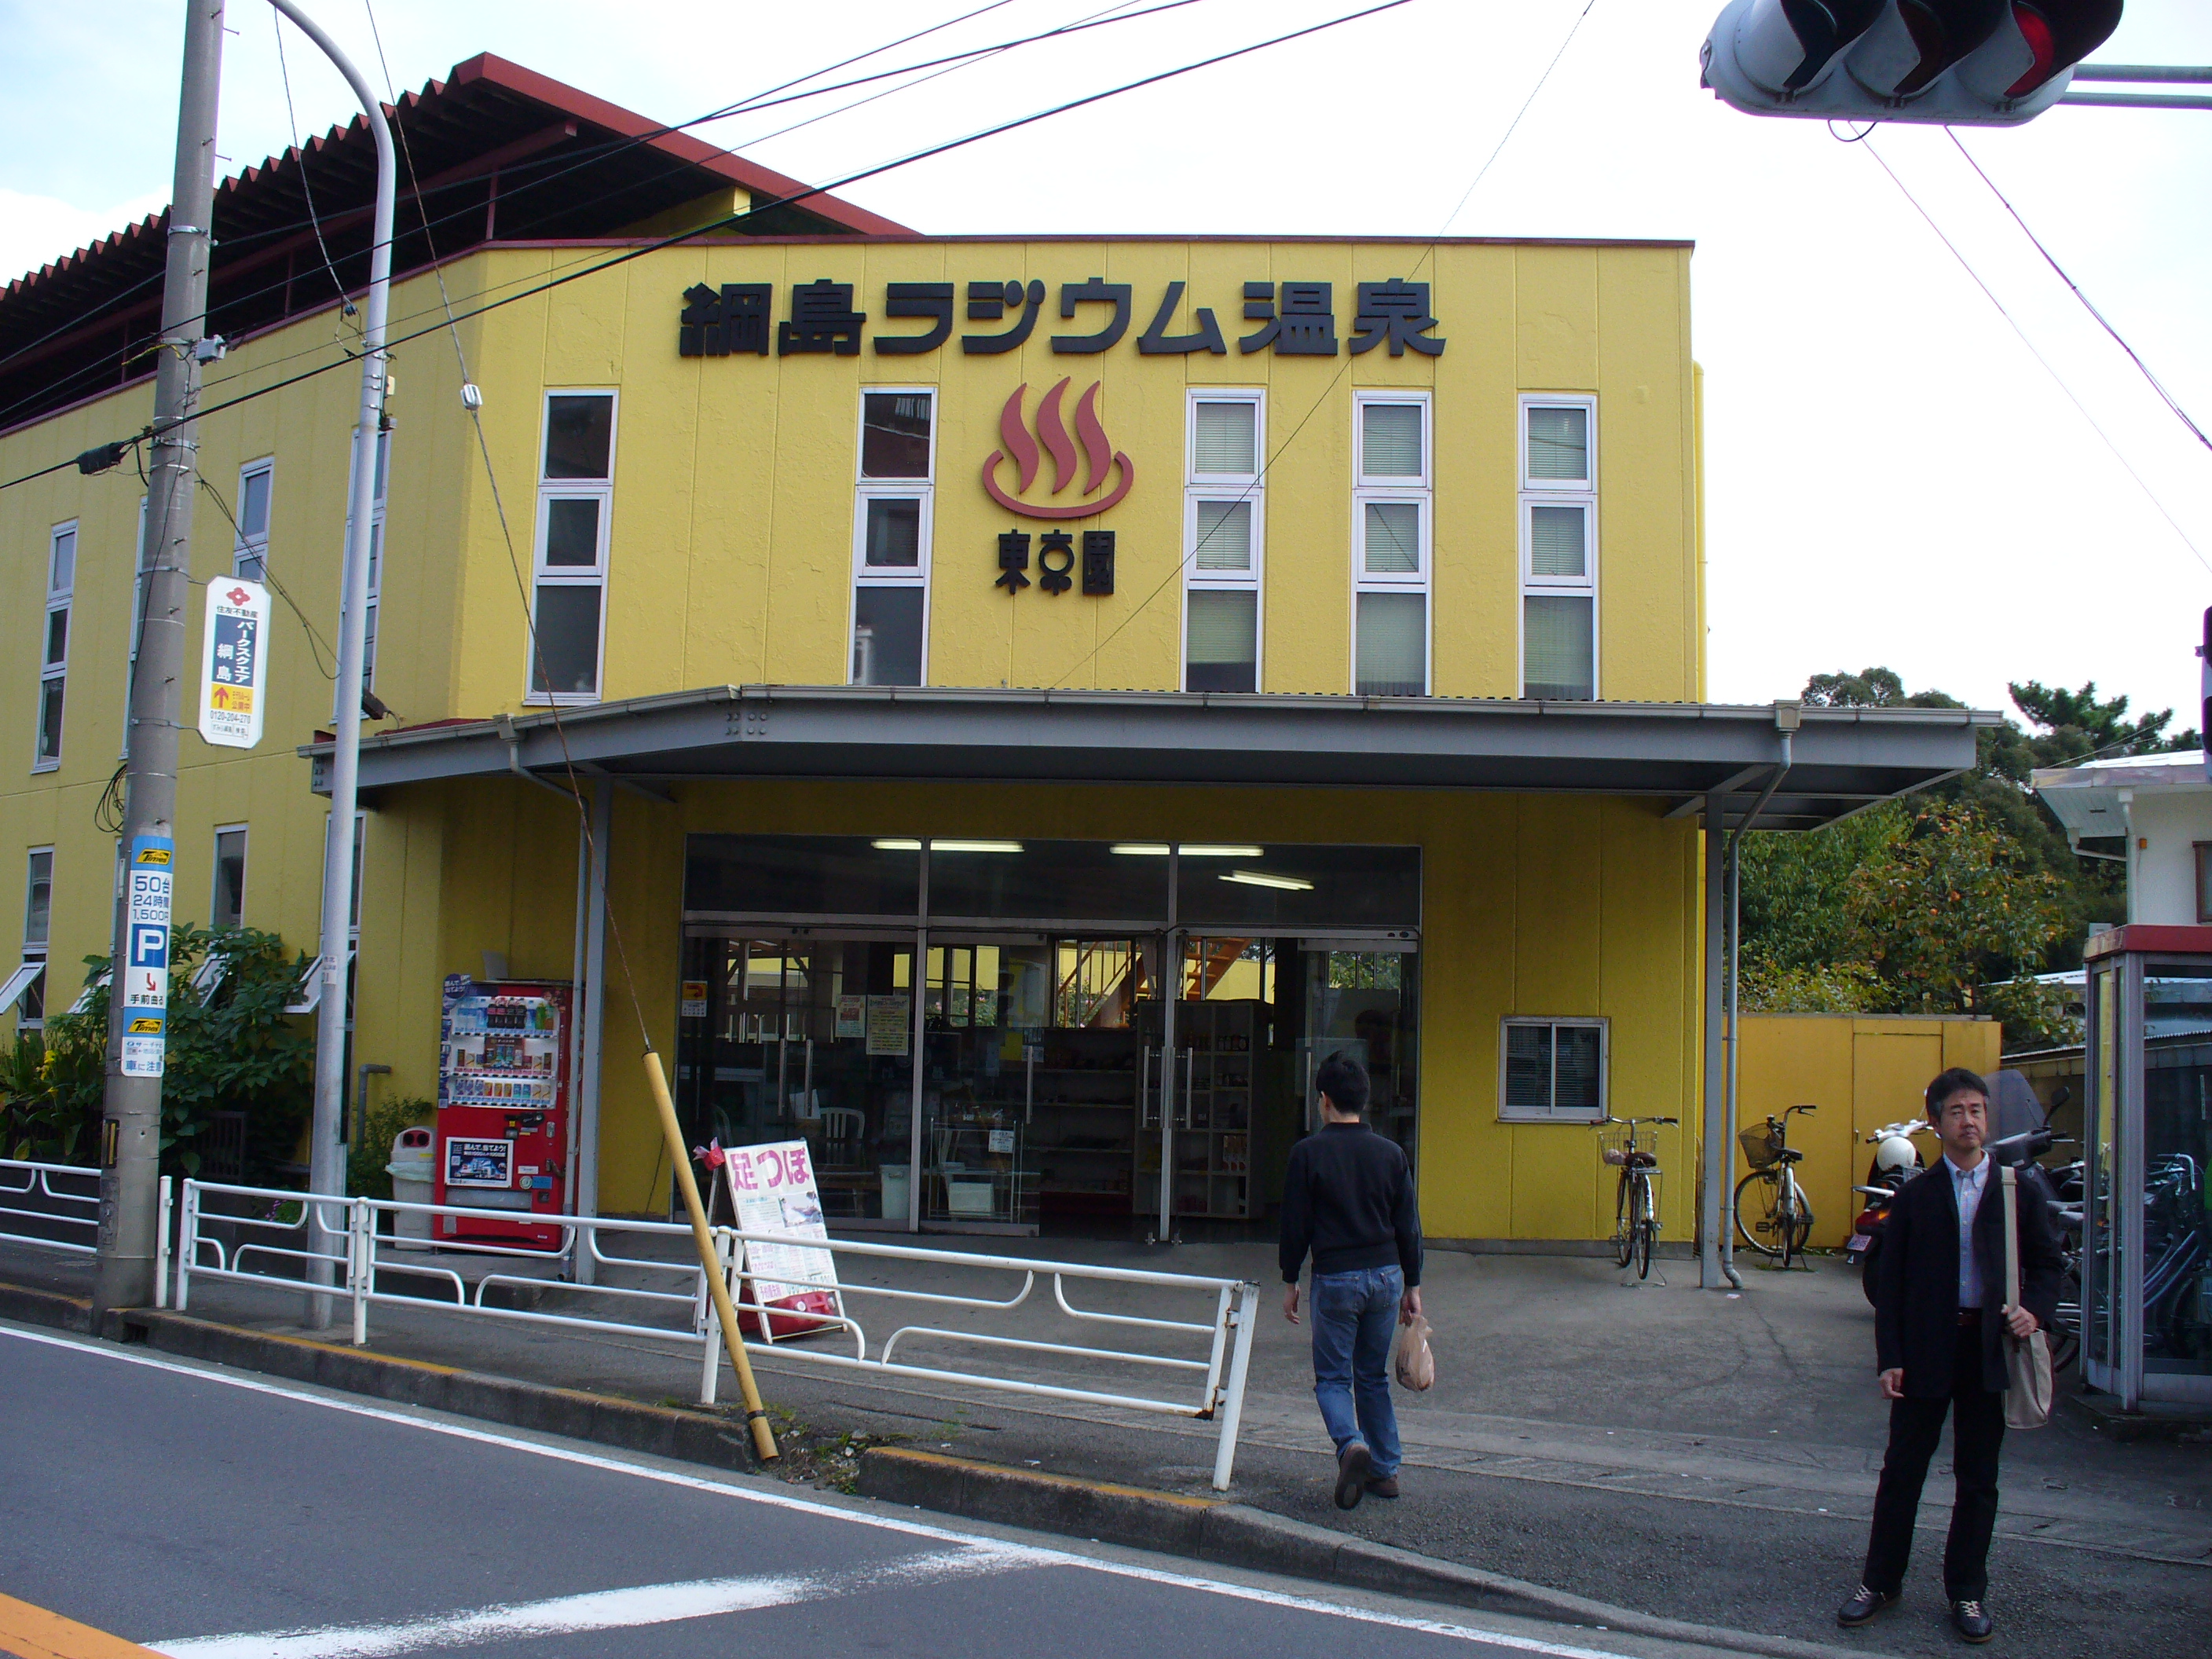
[
  {"x": 235, "y": 664},
  {"x": 144, "y": 980}
]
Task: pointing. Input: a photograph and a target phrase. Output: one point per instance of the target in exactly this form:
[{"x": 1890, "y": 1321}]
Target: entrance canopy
[{"x": 1841, "y": 759}]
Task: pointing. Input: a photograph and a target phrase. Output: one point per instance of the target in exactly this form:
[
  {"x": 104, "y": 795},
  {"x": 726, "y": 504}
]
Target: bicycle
[
  {"x": 1780, "y": 1212},
  {"x": 1635, "y": 1199}
]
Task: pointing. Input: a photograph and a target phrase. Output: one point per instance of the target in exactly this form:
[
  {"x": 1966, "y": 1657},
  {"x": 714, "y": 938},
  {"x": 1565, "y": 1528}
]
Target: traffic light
[{"x": 1987, "y": 63}]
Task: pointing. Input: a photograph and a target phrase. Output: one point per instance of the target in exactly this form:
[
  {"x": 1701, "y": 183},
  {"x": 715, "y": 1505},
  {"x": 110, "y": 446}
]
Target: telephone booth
[{"x": 2147, "y": 1228}]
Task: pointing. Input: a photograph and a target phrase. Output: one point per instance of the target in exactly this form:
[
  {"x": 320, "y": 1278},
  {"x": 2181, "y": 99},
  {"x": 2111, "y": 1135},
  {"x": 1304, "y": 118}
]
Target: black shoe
[
  {"x": 1863, "y": 1606},
  {"x": 1352, "y": 1464},
  {"x": 1972, "y": 1621}
]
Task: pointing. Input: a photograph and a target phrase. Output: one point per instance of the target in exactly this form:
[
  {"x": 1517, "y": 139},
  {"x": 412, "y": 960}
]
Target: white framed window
[
  {"x": 226, "y": 903},
  {"x": 53, "y": 651},
  {"x": 249, "y": 556},
  {"x": 894, "y": 502},
  {"x": 576, "y": 501},
  {"x": 375, "y": 559},
  {"x": 25, "y": 990},
  {"x": 1552, "y": 1070},
  {"x": 1559, "y": 548},
  {"x": 1393, "y": 536},
  {"x": 1225, "y": 540}
]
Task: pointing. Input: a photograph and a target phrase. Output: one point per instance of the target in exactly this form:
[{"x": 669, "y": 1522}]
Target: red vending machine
[{"x": 504, "y": 1108}]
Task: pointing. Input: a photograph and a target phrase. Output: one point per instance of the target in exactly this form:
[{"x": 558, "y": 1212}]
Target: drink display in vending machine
[{"x": 503, "y": 1109}]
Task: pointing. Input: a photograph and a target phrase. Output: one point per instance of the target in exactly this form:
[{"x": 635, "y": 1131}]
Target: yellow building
[{"x": 1036, "y": 696}]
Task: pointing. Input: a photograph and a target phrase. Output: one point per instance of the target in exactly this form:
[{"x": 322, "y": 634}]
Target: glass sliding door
[{"x": 812, "y": 1040}]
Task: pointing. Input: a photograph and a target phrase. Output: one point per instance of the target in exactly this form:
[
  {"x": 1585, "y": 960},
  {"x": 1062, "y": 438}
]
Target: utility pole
[{"x": 130, "y": 1132}]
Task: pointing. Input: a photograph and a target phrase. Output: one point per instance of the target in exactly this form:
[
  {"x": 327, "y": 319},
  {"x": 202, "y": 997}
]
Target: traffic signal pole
[{"x": 130, "y": 1126}]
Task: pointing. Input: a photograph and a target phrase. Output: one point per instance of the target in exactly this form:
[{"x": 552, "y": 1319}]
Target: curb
[
  {"x": 49, "y": 1308},
  {"x": 1234, "y": 1534}
]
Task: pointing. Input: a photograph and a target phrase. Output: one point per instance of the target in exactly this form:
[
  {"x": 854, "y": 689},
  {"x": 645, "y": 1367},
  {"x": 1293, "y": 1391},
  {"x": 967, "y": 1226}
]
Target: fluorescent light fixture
[
  {"x": 975, "y": 846},
  {"x": 1256, "y": 879},
  {"x": 1203, "y": 850},
  {"x": 895, "y": 844},
  {"x": 1142, "y": 849}
]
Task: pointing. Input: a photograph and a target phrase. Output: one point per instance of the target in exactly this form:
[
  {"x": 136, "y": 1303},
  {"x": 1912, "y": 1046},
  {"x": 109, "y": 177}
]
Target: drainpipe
[
  {"x": 513, "y": 739},
  {"x": 1787, "y": 717}
]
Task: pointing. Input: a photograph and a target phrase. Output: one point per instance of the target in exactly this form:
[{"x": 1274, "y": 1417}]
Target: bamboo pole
[{"x": 756, "y": 1414}]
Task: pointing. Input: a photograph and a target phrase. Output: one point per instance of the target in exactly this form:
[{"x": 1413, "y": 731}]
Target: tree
[{"x": 230, "y": 1049}]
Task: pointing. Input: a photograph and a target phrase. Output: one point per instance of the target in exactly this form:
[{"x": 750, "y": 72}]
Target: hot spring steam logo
[{"x": 1100, "y": 458}]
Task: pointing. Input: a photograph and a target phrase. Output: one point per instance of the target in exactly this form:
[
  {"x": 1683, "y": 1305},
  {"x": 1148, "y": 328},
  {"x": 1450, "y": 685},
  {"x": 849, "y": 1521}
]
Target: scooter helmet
[{"x": 1895, "y": 1155}]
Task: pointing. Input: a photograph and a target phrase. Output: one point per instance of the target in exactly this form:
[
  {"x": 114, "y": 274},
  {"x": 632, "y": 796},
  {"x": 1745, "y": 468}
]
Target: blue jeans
[{"x": 1353, "y": 1317}]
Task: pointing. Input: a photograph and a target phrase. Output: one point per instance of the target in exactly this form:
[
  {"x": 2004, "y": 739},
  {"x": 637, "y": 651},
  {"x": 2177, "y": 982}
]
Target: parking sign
[{"x": 144, "y": 980}]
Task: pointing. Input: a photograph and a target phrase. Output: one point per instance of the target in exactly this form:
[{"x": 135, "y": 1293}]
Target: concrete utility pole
[
  {"x": 130, "y": 1132},
  {"x": 326, "y": 1159}
]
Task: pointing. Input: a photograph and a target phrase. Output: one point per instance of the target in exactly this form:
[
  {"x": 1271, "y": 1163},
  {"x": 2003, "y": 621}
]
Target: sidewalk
[{"x": 1699, "y": 1456}]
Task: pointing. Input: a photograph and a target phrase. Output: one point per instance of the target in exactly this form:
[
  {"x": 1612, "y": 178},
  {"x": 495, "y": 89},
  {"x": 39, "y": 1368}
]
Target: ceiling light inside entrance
[
  {"x": 1257, "y": 878},
  {"x": 1191, "y": 849},
  {"x": 895, "y": 844},
  {"x": 1142, "y": 849},
  {"x": 975, "y": 846}
]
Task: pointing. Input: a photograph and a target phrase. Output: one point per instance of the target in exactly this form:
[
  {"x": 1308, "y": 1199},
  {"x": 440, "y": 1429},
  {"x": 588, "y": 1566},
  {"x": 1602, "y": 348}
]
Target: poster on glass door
[{"x": 771, "y": 1190}]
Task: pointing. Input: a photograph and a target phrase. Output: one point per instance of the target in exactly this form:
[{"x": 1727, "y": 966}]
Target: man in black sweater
[{"x": 1348, "y": 1198}]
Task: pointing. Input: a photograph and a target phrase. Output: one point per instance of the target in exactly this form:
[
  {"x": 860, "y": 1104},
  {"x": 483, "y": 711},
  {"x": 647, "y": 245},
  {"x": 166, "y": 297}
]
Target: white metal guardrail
[
  {"x": 271, "y": 1244},
  {"x": 28, "y": 1195}
]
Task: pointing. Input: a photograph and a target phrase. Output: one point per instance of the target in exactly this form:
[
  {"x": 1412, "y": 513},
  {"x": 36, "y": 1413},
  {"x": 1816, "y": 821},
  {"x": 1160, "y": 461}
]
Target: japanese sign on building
[
  {"x": 234, "y": 666},
  {"x": 144, "y": 982},
  {"x": 1291, "y": 319}
]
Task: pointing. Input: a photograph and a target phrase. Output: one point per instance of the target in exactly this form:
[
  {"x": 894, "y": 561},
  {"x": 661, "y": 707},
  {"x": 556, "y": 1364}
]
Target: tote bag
[{"x": 2028, "y": 1360}]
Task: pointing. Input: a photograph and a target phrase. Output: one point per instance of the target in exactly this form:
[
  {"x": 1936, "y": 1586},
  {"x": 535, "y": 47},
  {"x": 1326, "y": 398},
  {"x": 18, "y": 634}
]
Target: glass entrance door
[{"x": 812, "y": 1040}]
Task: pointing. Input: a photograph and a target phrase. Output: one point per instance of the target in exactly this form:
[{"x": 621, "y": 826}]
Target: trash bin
[{"x": 414, "y": 1160}]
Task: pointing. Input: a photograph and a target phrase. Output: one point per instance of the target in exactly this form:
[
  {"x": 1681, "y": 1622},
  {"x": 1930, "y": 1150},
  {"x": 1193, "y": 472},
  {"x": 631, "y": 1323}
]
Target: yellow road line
[{"x": 31, "y": 1632}]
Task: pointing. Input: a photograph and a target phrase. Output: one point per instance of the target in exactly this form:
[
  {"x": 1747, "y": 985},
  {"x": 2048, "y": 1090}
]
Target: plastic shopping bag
[{"x": 1416, "y": 1366}]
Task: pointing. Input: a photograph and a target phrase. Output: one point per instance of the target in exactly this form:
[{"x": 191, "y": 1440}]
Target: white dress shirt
[{"x": 1967, "y": 1186}]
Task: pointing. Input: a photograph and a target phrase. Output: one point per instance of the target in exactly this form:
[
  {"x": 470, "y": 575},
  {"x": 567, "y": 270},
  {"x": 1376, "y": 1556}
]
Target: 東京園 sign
[
  {"x": 144, "y": 982},
  {"x": 235, "y": 664},
  {"x": 1293, "y": 320}
]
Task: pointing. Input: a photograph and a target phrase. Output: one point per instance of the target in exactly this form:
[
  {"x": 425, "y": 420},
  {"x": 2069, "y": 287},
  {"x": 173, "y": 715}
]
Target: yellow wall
[
  {"x": 1863, "y": 1071},
  {"x": 1531, "y": 905},
  {"x": 731, "y": 562}
]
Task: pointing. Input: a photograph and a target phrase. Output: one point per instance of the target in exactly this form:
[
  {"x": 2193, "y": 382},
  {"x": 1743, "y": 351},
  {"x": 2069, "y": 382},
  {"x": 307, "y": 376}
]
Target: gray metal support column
[
  {"x": 586, "y": 1148},
  {"x": 1714, "y": 1165}
]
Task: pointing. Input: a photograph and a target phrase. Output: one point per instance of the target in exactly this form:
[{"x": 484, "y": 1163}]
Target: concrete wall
[
  {"x": 2165, "y": 826},
  {"x": 1863, "y": 1071}
]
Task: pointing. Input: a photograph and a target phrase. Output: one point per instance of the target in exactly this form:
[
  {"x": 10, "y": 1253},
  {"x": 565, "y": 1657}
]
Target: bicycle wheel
[
  {"x": 1645, "y": 1226},
  {"x": 1624, "y": 1222},
  {"x": 1756, "y": 1228},
  {"x": 1793, "y": 1222}
]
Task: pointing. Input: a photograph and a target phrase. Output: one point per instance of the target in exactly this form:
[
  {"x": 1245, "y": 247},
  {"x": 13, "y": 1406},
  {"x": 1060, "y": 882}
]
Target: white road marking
[
  {"x": 597, "y": 1610},
  {"x": 1009, "y": 1554}
]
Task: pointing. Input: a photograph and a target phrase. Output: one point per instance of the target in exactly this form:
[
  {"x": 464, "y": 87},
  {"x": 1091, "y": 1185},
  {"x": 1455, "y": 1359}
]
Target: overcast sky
[{"x": 1892, "y": 476}]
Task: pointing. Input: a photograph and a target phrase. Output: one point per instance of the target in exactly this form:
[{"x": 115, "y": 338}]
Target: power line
[
  {"x": 292, "y": 125},
  {"x": 2075, "y": 288},
  {"x": 1867, "y": 143},
  {"x": 811, "y": 191}
]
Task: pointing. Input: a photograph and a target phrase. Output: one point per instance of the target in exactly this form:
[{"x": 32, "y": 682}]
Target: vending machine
[{"x": 504, "y": 1120}]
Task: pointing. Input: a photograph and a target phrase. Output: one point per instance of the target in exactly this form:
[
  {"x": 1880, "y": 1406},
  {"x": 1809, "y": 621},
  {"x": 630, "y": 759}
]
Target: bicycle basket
[
  {"x": 1612, "y": 1144},
  {"x": 1762, "y": 1147}
]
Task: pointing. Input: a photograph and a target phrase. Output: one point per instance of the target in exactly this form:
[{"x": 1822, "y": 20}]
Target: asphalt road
[{"x": 202, "y": 1514}]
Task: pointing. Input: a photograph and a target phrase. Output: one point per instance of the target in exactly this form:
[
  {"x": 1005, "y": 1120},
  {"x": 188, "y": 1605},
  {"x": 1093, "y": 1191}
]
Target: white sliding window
[
  {"x": 1559, "y": 548},
  {"x": 891, "y": 509},
  {"x": 575, "y": 501},
  {"x": 249, "y": 555},
  {"x": 1224, "y": 537},
  {"x": 53, "y": 660},
  {"x": 1392, "y": 514}
]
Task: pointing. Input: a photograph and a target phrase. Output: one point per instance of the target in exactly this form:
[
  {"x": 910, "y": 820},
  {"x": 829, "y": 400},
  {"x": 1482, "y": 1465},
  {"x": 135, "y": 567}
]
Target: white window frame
[
  {"x": 249, "y": 554},
  {"x": 1558, "y": 492},
  {"x": 1421, "y": 493},
  {"x": 37, "y": 953},
  {"x": 376, "y": 551},
  {"x": 1552, "y": 1114},
  {"x": 60, "y": 599},
  {"x": 866, "y": 490},
  {"x": 215, "y": 871},
  {"x": 571, "y": 575},
  {"x": 1247, "y": 487}
]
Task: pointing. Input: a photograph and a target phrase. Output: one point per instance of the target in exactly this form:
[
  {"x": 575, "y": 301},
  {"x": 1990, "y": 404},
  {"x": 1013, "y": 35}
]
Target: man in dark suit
[{"x": 1939, "y": 1296}]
